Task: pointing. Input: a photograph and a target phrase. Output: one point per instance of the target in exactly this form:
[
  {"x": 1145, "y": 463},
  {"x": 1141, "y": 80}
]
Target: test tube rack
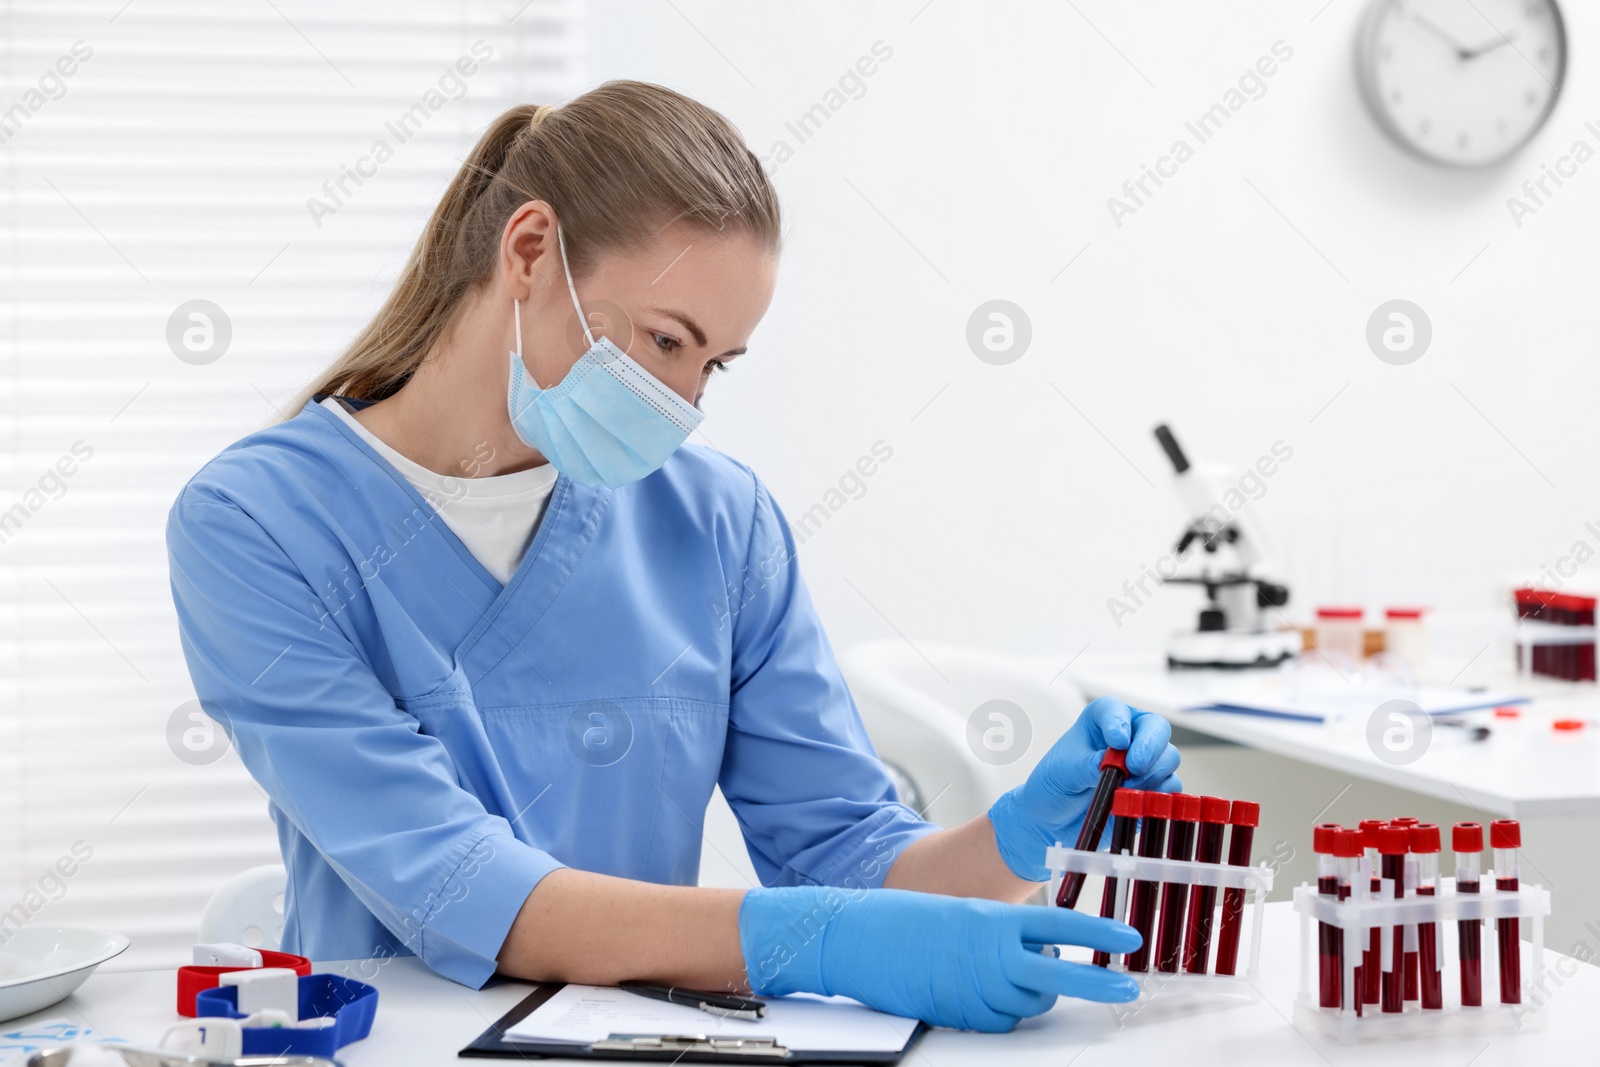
[
  {"x": 1366, "y": 909},
  {"x": 1127, "y": 868}
]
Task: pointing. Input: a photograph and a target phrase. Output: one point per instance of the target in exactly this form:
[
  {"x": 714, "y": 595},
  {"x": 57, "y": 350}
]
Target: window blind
[{"x": 201, "y": 203}]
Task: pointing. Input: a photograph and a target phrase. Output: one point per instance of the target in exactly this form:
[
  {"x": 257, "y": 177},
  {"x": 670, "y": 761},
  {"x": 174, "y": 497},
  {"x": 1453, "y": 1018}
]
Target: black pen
[{"x": 714, "y": 1003}]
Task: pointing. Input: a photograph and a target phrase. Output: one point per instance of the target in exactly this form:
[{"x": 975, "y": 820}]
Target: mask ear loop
[{"x": 572, "y": 289}]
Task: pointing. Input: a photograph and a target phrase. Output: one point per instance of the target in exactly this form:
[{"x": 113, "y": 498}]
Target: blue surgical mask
[{"x": 609, "y": 421}]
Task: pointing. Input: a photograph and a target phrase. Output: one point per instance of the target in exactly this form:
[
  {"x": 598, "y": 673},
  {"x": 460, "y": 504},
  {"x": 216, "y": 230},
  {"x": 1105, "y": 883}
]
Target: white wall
[{"x": 990, "y": 141}]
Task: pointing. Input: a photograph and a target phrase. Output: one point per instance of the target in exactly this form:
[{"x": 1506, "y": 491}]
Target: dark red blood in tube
[
  {"x": 1142, "y": 908},
  {"x": 1585, "y": 606},
  {"x": 1371, "y": 956},
  {"x": 1393, "y": 843},
  {"x": 1175, "y": 895},
  {"x": 1328, "y": 935},
  {"x": 1347, "y": 846},
  {"x": 1126, "y": 808},
  {"x": 1113, "y": 772},
  {"x": 1411, "y": 967},
  {"x": 1425, "y": 846},
  {"x": 1505, "y": 837},
  {"x": 1203, "y": 898},
  {"x": 1466, "y": 840},
  {"x": 1245, "y": 816}
]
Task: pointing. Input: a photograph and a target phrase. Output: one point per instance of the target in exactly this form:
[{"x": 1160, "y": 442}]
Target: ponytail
[{"x": 617, "y": 165}]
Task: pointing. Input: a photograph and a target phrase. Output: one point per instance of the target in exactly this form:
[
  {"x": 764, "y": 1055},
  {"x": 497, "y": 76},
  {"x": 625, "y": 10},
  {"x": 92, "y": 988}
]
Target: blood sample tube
[
  {"x": 1425, "y": 849},
  {"x": 1393, "y": 843},
  {"x": 1565, "y": 660},
  {"x": 1328, "y": 973},
  {"x": 1113, "y": 772},
  {"x": 1410, "y": 991},
  {"x": 1505, "y": 837},
  {"x": 1371, "y": 971},
  {"x": 1244, "y": 816},
  {"x": 1142, "y": 907},
  {"x": 1369, "y": 847},
  {"x": 1126, "y": 808},
  {"x": 1410, "y": 987},
  {"x": 1175, "y": 895},
  {"x": 1586, "y": 666},
  {"x": 1203, "y": 898},
  {"x": 1347, "y": 847},
  {"x": 1466, "y": 840}
]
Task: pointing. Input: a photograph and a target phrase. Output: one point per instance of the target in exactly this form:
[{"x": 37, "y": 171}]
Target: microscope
[{"x": 1220, "y": 548}]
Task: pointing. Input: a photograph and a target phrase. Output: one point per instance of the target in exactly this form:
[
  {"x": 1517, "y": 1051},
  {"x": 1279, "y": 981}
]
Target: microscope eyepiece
[{"x": 1169, "y": 445}]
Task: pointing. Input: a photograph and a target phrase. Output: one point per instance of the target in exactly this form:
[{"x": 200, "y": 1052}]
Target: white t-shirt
[{"x": 494, "y": 517}]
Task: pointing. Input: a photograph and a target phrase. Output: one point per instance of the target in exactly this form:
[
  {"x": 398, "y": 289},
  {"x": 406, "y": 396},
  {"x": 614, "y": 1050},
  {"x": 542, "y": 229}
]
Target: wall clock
[{"x": 1461, "y": 82}]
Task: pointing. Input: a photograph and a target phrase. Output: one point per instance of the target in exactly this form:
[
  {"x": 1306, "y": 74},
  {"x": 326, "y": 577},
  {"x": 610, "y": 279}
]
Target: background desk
[
  {"x": 1304, "y": 773},
  {"x": 423, "y": 1019}
]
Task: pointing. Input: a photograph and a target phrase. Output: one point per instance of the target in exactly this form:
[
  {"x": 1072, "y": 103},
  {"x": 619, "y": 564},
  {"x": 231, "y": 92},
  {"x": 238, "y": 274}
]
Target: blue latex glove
[
  {"x": 1050, "y": 805},
  {"x": 952, "y": 961}
]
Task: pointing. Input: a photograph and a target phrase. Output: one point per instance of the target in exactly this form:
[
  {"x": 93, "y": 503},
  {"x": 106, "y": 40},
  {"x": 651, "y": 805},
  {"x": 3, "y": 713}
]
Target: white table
[
  {"x": 424, "y": 1019},
  {"x": 1523, "y": 770}
]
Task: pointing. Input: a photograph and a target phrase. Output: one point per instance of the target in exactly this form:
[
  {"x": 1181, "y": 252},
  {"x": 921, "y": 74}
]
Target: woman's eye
[
  {"x": 664, "y": 343},
  {"x": 713, "y": 365}
]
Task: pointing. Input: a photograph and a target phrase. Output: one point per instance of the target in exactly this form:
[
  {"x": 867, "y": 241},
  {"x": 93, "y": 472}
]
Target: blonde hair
[{"x": 617, "y": 164}]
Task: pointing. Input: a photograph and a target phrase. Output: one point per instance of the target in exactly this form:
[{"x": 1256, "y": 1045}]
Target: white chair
[
  {"x": 919, "y": 721},
  {"x": 248, "y": 909}
]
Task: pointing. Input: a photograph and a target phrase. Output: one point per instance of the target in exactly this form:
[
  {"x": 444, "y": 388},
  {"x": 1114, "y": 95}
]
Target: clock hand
[
  {"x": 1461, "y": 53},
  {"x": 1474, "y": 53}
]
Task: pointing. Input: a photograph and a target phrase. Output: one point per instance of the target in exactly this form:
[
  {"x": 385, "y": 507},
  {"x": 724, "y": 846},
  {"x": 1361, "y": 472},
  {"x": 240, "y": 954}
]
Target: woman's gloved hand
[
  {"x": 1050, "y": 805},
  {"x": 952, "y": 961}
]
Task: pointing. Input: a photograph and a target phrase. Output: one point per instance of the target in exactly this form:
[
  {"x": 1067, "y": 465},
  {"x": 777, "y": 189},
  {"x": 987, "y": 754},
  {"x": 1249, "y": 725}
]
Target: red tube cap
[
  {"x": 1213, "y": 809},
  {"x": 1466, "y": 837},
  {"x": 1347, "y": 844},
  {"x": 1128, "y": 803},
  {"x": 1394, "y": 840},
  {"x": 1158, "y": 805},
  {"x": 1425, "y": 837},
  {"x": 1406, "y": 821},
  {"x": 1245, "y": 813},
  {"x": 1322, "y": 837},
  {"x": 1186, "y": 807},
  {"x": 1505, "y": 833},
  {"x": 1115, "y": 757}
]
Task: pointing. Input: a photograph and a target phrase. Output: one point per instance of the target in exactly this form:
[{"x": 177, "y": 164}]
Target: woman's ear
[{"x": 529, "y": 259}]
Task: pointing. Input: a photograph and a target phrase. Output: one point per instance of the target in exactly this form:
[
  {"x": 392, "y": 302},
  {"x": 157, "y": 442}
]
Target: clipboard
[{"x": 689, "y": 1048}]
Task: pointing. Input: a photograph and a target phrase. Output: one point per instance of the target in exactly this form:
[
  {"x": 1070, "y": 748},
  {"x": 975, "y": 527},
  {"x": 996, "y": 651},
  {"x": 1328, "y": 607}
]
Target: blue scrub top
[{"x": 434, "y": 743}]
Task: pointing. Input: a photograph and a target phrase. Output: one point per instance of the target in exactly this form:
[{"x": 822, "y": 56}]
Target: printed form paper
[{"x": 584, "y": 1014}]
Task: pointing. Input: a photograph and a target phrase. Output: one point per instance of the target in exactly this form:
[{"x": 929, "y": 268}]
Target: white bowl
[{"x": 40, "y": 965}]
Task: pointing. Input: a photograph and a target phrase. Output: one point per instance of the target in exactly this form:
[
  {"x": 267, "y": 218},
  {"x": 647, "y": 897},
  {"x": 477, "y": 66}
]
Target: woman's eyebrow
[
  {"x": 688, "y": 323},
  {"x": 695, "y": 330}
]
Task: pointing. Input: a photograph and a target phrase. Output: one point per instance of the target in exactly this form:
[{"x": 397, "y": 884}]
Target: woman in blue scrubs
[{"x": 488, "y": 633}]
